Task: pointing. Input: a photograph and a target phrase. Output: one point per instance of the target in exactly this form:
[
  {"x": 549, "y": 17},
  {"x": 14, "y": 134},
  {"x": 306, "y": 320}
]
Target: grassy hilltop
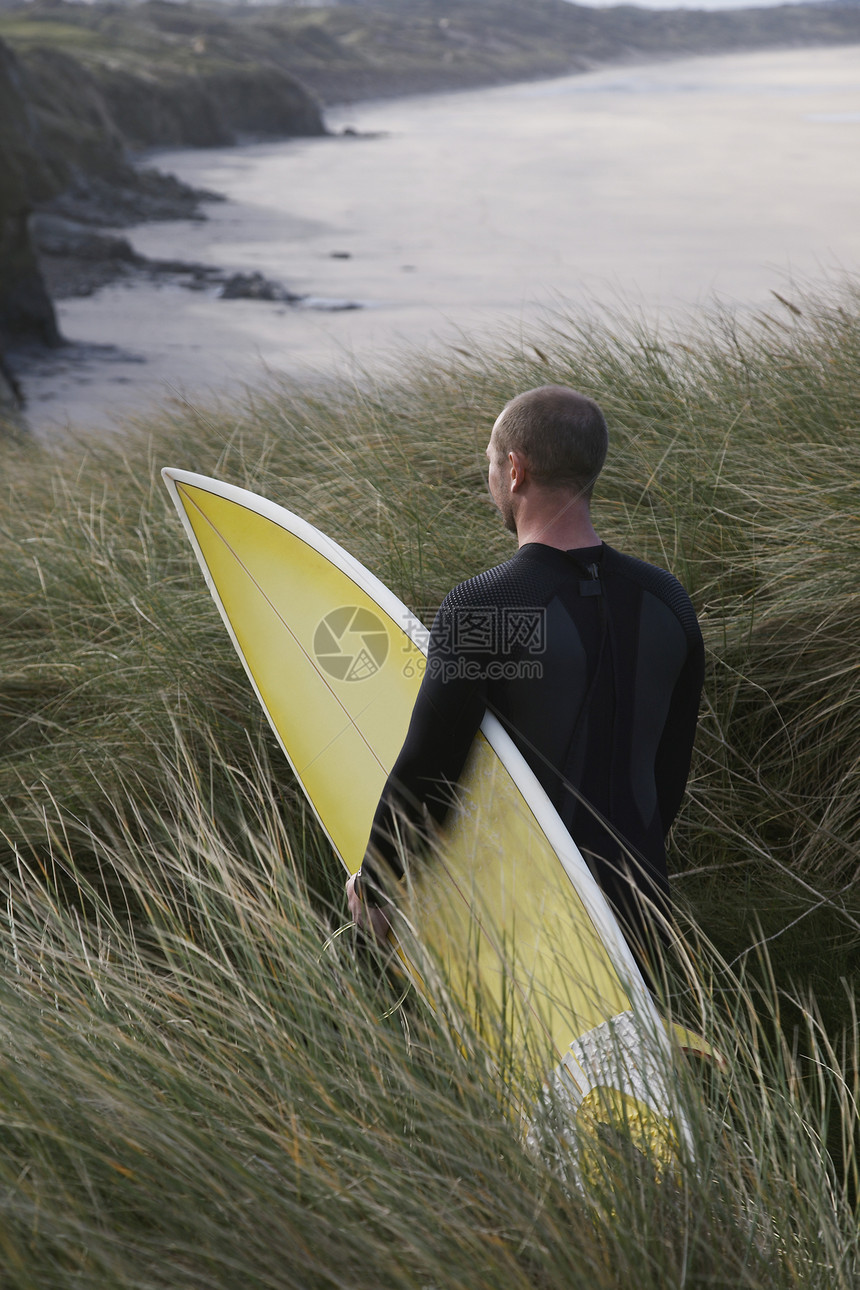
[{"x": 199, "y": 1087}]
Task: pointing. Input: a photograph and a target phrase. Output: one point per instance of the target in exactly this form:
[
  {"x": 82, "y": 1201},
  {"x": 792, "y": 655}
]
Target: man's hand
[{"x": 368, "y": 917}]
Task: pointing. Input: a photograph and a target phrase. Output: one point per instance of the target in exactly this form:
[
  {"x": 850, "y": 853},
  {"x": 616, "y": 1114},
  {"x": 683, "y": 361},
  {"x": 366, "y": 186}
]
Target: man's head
[
  {"x": 548, "y": 445},
  {"x": 558, "y": 435}
]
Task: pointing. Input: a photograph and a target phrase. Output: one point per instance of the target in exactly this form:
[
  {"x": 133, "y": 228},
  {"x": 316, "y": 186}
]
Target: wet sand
[{"x": 652, "y": 189}]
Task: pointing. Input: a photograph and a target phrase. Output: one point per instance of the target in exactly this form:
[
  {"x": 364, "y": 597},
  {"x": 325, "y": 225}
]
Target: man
[{"x": 592, "y": 660}]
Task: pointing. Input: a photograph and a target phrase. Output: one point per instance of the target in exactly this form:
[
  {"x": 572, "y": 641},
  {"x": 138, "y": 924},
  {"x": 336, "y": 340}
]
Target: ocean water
[{"x": 451, "y": 218}]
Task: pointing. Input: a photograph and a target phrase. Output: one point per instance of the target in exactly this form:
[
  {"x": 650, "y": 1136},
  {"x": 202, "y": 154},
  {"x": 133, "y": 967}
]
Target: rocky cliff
[
  {"x": 82, "y": 88},
  {"x": 25, "y": 308}
]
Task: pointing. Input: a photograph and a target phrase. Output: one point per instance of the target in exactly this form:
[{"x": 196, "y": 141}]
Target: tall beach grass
[
  {"x": 210, "y": 1089},
  {"x": 195, "y": 1092}
]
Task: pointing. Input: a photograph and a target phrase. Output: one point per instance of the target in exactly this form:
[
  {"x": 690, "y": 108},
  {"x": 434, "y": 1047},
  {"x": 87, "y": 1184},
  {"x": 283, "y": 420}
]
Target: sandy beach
[{"x": 453, "y": 217}]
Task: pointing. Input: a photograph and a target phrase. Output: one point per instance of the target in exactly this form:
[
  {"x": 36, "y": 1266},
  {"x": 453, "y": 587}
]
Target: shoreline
[
  {"x": 78, "y": 241},
  {"x": 81, "y": 251},
  {"x": 101, "y": 258},
  {"x": 197, "y": 76},
  {"x": 322, "y": 259}
]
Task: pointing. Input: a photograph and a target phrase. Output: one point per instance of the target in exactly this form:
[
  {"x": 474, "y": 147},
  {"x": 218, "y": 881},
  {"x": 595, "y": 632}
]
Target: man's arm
[
  {"x": 371, "y": 917},
  {"x": 422, "y": 785}
]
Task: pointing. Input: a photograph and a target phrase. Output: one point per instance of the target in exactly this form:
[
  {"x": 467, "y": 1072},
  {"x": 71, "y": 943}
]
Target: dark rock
[
  {"x": 151, "y": 92},
  {"x": 164, "y": 112},
  {"x": 77, "y": 259},
  {"x": 263, "y": 102},
  {"x": 204, "y": 274},
  {"x": 25, "y": 307},
  {"x": 140, "y": 195},
  {"x": 75, "y": 127},
  {"x": 329, "y": 305},
  {"x": 11, "y": 394},
  {"x": 253, "y": 286},
  {"x": 54, "y": 235}
]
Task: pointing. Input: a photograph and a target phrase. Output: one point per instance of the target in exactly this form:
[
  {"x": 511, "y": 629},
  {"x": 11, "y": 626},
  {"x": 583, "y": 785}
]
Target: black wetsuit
[{"x": 593, "y": 661}]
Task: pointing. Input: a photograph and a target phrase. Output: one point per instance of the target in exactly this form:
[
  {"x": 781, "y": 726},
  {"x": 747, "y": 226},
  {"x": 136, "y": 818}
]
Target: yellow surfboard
[{"x": 510, "y": 910}]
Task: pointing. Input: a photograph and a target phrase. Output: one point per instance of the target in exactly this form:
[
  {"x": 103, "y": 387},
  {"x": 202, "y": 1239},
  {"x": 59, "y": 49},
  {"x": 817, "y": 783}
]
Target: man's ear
[{"x": 518, "y": 469}]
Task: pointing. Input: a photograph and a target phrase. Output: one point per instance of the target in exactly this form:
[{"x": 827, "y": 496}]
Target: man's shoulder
[
  {"x": 506, "y": 583},
  {"x": 655, "y": 580}
]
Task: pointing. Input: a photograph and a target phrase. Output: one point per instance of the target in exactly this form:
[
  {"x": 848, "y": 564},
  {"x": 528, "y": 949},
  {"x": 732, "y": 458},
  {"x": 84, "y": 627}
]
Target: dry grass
[{"x": 194, "y": 1094}]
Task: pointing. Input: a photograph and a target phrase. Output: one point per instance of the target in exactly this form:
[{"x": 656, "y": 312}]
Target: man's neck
[{"x": 559, "y": 521}]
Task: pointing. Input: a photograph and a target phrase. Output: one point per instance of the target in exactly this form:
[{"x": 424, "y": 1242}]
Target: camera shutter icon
[{"x": 351, "y": 643}]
